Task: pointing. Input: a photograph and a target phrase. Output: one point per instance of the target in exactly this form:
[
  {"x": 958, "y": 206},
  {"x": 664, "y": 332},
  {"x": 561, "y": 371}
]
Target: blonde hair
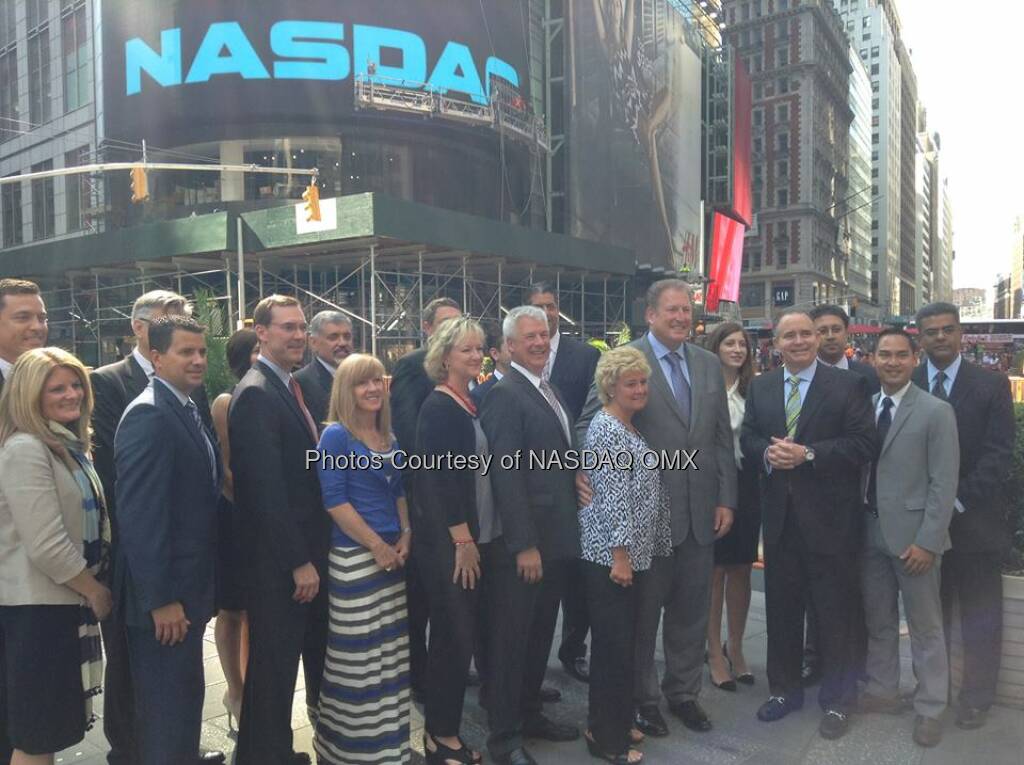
[
  {"x": 354, "y": 370},
  {"x": 614, "y": 364},
  {"x": 21, "y": 409},
  {"x": 443, "y": 340}
]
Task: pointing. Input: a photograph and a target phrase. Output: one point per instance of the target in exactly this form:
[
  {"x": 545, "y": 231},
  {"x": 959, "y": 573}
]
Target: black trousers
[
  {"x": 613, "y": 616},
  {"x": 575, "y": 613},
  {"x": 975, "y": 582},
  {"x": 792, "y": 567},
  {"x": 119, "y": 725},
  {"x": 859, "y": 634},
  {"x": 5, "y": 741},
  {"x": 453, "y": 635},
  {"x": 280, "y": 631},
  {"x": 521, "y": 628},
  {"x": 417, "y": 605}
]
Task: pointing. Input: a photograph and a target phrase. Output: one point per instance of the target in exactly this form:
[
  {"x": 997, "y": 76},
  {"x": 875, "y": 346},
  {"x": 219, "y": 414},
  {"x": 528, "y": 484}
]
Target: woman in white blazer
[{"x": 54, "y": 540}]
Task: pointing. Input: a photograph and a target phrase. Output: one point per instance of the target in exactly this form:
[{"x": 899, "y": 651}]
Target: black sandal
[
  {"x": 616, "y": 759},
  {"x": 444, "y": 754}
]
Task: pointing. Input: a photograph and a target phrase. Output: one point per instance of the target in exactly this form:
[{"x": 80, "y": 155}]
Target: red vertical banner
[
  {"x": 726, "y": 261},
  {"x": 742, "y": 115}
]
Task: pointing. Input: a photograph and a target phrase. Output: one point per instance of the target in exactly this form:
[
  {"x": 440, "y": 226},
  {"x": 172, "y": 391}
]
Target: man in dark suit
[
  {"x": 330, "y": 339},
  {"x": 288, "y": 535},
  {"x": 811, "y": 430},
  {"x": 23, "y": 326},
  {"x": 410, "y": 387},
  {"x": 570, "y": 369},
  {"x": 497, "y": 349},
  {"x": 832, "y": 324},
  {"x": 970, "y": 570},
  {"x": 169, "y": 481},
  {"x": 526, "y": 566},
  {"x": 114, "y": 387}
]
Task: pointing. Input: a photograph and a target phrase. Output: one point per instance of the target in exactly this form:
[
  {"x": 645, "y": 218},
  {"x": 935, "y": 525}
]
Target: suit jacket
[
  {"x": 286, "y": 526},
  {"x": 573, "y": 373},
  {"x": 987, "y": 431},
  {"x": 167, "y": 499},
  {"x": 837, "y": 422},
  {"x": 917, "y": 474},
  {"x": 478, "y": 393},
  {"x": 114, "y": 386},
  {"x": 410, "y": 387},
  {"x": 693, "y": 494},
  {"x": 537, "y": 506},
  {"x": 315, "y": 382},
  {"x": 868, "y": 373}
]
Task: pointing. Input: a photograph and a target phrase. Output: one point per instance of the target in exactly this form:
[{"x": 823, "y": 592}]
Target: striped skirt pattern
[{"x": 364, "y": 698}]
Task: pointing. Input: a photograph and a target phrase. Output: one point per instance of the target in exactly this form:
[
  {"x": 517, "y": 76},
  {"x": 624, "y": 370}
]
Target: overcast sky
[{"x": 968, "y": 63}]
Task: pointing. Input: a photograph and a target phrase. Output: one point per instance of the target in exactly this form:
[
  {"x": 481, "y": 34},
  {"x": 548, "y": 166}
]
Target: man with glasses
[
  {"x": 287, "y": 536},
  {"x": 970, "y": 571},
  {"x": 330, "y": 339}
]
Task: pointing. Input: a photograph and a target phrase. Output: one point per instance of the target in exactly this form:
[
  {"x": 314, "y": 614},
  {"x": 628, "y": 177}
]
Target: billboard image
[
  {"x": 184, "y": 71},
  {"x": 635, "y": 128},
  {"x": 726, "y": 261},
  {"x": 742, "y": 129}
]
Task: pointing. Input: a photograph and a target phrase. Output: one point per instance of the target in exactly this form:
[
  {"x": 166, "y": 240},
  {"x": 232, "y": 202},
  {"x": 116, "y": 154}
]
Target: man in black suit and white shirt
[
  {"x": 114, "y": 387},
  {"x": 23, "y": 326},
  {"x": 983, "y": 406},
  {"x": 570, "y": 369},
  {"x": 288, "y": 535},
  {"x": 811, "y": 430},
  {"x": 526, "y": 566},
  {"x": 330, "y": 339},
  {"x": 497, "y": 349}
]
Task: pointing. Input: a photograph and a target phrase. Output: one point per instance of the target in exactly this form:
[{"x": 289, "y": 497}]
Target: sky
[{"x": 968, "y": 62}]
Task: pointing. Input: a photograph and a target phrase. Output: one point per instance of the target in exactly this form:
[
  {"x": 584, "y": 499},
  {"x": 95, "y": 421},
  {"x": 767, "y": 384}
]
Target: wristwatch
[{"x": 808, "y": 454}]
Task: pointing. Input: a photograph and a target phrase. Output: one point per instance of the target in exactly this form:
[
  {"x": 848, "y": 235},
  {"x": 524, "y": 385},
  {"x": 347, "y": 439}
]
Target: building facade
[
  {"x": 972, "y": 302},
  {"x": 856, "y": 208}
]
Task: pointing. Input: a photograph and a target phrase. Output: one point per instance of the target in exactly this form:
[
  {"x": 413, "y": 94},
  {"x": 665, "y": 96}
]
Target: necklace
[{"x": 467, "y": 403}]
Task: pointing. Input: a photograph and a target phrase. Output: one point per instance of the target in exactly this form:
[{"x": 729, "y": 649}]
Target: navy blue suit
[
  {"x": 478, "y": 393},
  {"x": 167, "y": 492}
]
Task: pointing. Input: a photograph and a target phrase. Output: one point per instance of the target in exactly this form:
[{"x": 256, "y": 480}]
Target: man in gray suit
[
  {"x": 686, "y": 410},
  {"x": 910, "y": 492}
]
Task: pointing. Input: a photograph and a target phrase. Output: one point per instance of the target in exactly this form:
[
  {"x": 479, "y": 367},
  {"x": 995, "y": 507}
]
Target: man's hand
[
  {"x": 307, "y": 583},
  {"x": 404, "y": 546},
  {"x": 529, "y": 566},
  {"x": 917, "y": 560},
  {"x": 170, "y": 622},
  {"x": 584, "y": 491},
  {"x": 783, "y": 454},
  {"x": 723, "y": 521}
]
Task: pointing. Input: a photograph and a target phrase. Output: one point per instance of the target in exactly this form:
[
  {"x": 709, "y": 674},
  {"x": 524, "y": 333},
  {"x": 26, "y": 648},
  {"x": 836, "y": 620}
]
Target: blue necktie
[{"x": 680, "y": 387}]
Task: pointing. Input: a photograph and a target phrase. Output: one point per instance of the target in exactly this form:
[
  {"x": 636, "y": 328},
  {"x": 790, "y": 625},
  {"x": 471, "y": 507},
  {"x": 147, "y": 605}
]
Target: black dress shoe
[
  {"x": 777, "y": 707},
  {"x": 300, "y": 758},
  {"x": 210, "y": 757},
  {"x": 692, "y": 715},
  {"x": 516, "y": 757},
  {"x": 543, "y": 727},
  {"x": 578, "y": 669},
  {"x": 970, "y": 718},
  {"x": 648, "y": 720},
  {"x": 810, "y": 673},
  {"x": 834, "y": 724},
  {"x": 550, "y": 695}
]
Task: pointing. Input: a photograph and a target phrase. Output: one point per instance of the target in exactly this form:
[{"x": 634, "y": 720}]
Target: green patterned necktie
[{"x": 793, "y": 406}]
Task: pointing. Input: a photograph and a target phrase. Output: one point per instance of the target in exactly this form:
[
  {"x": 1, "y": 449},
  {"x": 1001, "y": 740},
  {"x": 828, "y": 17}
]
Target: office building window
[
  {"x": 77, "y": 67},
  {"x": 42, "y": 203},
  {"x": 76, "y": 189},
  {"x": 782, "y": 169},
  {"x": 757, "y": 117},
  {"x": 874, "y": 52},
  {"x": 782, "y": 113},
  {"x": 782, "y": 140},
  {"x": 865, "y": 22},
  {"x": 874, "y": 69},
  {"x": 781, "y": 258},
  {"x": 10, "y": 124},
  {"x": 10, "y": 213},
  {"x": 874, "y": 138},
  {"x": 783, "y": 85},
  {"x": 782, "y": 57},
  {"x": 782, "y": 197},
  {"x": 39, "y": 76}
]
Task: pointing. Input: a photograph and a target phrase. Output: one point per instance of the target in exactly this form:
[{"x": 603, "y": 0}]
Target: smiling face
[
  {"x": 531, "y": 345},
  {"x": 283, "y": 341},
  {"x": 672, "y": 318},
  {"x": 184, "y": 363},
  {"x": 23, "y": 325},
  {"x": 466, "y": 357},
  {"x": 832, "y": 337},
  {"x": 797, "y": 341},
  {"x": 630, "y": 392},
  {"x": 894, "y": 361},
  {"x": 940, "y": 338},
  {"x": 63, "y": 393},
  {"x": 369, "y": 394},
  {"x": 333, "y": 343},
  {"x": 733, "y": 350}
]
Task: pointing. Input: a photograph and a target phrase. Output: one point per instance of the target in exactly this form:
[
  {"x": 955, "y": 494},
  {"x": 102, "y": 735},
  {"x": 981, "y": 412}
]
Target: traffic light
[
  {"x": 312, "y": 198},
  {"x": 140, "y": 184}
]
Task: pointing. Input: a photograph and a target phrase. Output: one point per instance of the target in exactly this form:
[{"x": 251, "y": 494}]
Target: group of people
[{"x": 322, "y": 516}]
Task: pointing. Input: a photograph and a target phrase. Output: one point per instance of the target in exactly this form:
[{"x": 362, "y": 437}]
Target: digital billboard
[
  {"x": 742, "y": 112},
  {"x": 635, "y": 149},
  {"x": 183, "y": 71},
  {"x": 726, "y": 261}
]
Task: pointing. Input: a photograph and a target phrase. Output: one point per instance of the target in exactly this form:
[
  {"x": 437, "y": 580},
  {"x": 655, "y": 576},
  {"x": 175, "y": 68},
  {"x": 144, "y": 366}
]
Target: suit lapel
[
  {"x": 920, "y": 376},
  {"x": 326, "y": 379},
  {"x": 538, "y": 397},
  {"x": 961, "y": 384},
  {"x": 902, "y": 413},
  {"x": 170, "y": 401},
  {"x": 285, "y": 394},
  {"x": 138, "y": 379},
  {"x": 660, "y": 383},
  {"x": 815, "y": 395}
]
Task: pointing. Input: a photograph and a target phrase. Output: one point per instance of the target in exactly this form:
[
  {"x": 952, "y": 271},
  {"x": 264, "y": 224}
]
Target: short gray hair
[
  {"x": 789, "y": 312},
  {"x": 159, "y": 300},
  {"x": 508, "y": 327},
  {"x": 663, "y": 285},
  {"x": 316, "y": 324}
]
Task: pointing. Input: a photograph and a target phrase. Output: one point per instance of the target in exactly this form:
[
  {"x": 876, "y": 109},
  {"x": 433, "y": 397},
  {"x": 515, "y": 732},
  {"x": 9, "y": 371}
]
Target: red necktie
[{"x": 297, "y": 392}]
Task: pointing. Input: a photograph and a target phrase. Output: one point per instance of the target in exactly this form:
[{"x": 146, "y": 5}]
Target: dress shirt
[
  {"x": 498, "y": 374},
  {"x": 896, "y": 398},
  {"x": 146, "y": 364},
  {"x": 550, "y": 364},
  {"x": 285, "y": 377},
  {"x": 806, "y": 376},
  {"x": 330, "y": 369},
  {"x": 951, "y": 372},
  {"x": 185, "y": 400},
  {"x": 535, "y": 382},
  {"x": 661, "y": 351},
  {"x": 737, "y": 408},
  {"x": 843, "y": 363},
  {"x": 5, "y": 368}
]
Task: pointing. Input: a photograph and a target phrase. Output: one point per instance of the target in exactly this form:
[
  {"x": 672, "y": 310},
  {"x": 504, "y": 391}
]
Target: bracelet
[
  {"x": 459, "y": 542},
  {"x": 407, "y": 530}
]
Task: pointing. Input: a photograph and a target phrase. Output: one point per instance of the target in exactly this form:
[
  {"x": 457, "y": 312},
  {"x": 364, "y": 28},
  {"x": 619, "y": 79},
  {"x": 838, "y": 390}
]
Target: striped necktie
[
  {"x": 793, "y": 406},
  {"x": 939, "y": 388}
]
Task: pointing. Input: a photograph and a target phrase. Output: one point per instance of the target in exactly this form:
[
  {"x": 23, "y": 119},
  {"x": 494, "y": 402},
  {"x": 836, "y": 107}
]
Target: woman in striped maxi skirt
[{"x": 364, "y": 698}]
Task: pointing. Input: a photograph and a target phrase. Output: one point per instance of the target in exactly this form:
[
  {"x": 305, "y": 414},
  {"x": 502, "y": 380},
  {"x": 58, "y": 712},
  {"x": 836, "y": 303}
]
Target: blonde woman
[
  {"x": 366, "y": 671},
  {"x": 54, "y": 543}
]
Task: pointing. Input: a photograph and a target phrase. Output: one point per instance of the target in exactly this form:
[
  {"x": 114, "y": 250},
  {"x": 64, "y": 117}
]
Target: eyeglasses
[
  {"x": 949, "y": 329},
  {"x": 291, "y": 327}
]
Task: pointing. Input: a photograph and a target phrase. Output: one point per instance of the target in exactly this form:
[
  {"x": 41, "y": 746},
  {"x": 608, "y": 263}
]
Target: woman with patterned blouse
[{"x": 623, "y": 527}]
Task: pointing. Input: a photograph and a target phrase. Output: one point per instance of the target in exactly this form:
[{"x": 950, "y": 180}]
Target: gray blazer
[
  {"x": 917, "y": 473},
  {"x": 40, "y": 525},
  {"x": 693, "y": 494}
]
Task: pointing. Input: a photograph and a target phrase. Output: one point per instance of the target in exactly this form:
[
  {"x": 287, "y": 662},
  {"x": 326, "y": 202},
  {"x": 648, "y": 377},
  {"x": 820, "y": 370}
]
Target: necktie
[
  {"x": 193, "y": 411},
  {"x": 297, "y": 392},
  {"x": 680, "y": 387},
  {"x": 793, "y": 406},
  {"x": 939, "y": 388},
  {"x": 884, "y": 421},
  {"x": 549, "y": 394}
]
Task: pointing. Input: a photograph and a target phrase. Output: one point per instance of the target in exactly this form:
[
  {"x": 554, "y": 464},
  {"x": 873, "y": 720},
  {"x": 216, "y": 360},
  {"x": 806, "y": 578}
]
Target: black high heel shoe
[
  {"x": 444, "y": 754},
  {"x": 746, "y": 678},
  {"x": 616, "y": 759}
]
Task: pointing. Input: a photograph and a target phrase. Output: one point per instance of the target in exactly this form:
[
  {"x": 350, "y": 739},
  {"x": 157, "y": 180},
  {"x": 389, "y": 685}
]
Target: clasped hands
[{"x": 784, "y": 454}]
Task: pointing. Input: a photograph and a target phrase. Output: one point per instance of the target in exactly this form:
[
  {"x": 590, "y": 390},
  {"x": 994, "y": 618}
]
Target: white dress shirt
[
  {"x": 5, "y": 368},
  {"x": 951, "y": 373},
  {"x": 285, "y": 377},
  {"x": 737, "y": 408},
  {"x": 142, "y": 361},
  {"x": 329, "y": 367},
  {"x": 843, "y": 363},
  {"x": 535, "y": 382}
]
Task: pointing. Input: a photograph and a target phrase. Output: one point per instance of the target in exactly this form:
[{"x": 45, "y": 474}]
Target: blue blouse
[{"x": 373, "y": 492}]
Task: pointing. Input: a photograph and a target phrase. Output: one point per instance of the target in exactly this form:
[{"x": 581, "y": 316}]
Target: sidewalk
[{"x": 738, "y": 737}]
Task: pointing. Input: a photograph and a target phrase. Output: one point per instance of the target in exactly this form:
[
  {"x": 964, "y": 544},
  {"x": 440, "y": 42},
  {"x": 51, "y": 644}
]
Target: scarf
[{"x": 96, "y": 549}]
